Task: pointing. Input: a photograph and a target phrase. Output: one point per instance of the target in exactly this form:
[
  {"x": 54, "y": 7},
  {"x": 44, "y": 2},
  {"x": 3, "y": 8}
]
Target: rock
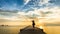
[{"x": 30, "y": 30}]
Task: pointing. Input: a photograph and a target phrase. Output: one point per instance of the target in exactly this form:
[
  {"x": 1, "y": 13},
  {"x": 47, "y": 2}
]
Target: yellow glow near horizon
[{"x": 41, "y": 27}]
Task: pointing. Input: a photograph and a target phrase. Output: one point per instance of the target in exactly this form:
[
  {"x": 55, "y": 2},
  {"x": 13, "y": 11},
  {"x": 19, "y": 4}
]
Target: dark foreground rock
[{"x": 30, "y": 30}]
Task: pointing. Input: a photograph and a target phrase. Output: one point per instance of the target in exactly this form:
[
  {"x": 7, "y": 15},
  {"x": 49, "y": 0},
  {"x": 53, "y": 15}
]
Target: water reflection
[{"x": 16, "y": 29}]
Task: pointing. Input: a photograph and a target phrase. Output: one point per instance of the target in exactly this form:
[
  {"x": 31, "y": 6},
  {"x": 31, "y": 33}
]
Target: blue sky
[
  {"x": 19, "y": 4},
  {"x": 11, "y": 4},
  {"x": 28, "y": 8}
]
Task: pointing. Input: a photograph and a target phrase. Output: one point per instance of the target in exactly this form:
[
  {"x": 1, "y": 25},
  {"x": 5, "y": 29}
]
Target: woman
[{"x": 33, "y": 23}]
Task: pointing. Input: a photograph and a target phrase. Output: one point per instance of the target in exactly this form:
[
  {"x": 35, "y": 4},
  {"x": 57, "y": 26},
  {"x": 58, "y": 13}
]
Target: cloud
[
  {"x": 13, "y": 15},
  {"x": 46, "y": 12},
  {"x": 44, "y": 2},
  {"x": 43, "y": 12},
  {"x": 26, "y": 1}
]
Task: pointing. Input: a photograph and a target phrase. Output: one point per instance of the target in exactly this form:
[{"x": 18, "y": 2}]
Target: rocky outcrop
[{"x": 31, "y": 30}]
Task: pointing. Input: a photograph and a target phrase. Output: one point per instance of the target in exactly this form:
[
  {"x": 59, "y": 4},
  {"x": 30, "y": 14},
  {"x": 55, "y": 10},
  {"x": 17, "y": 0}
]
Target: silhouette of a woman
[{"x": 33, "y": 23}]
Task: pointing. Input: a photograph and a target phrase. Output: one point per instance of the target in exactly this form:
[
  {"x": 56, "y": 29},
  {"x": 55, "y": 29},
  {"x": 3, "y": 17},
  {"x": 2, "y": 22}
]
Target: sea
[{"x": 16, "y": 29}]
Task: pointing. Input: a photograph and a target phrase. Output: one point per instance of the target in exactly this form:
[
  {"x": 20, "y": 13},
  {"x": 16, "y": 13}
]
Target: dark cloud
[
  {"x": 7, "y": 13},
  {"x": 56, "y": 2}
]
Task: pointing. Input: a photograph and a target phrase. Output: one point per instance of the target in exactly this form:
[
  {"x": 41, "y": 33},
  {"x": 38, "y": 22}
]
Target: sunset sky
[{"x": 47, "y": 11}]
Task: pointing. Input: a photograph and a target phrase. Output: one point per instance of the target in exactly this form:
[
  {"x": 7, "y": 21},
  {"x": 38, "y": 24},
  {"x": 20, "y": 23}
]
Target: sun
[{"x": 41, "y": 27}]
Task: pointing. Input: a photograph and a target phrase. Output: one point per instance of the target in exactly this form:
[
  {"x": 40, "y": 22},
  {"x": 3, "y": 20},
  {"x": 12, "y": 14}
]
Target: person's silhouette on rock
[{"x": 33, "y": 23}]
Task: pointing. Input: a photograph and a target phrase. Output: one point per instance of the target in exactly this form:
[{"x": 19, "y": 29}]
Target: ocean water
[
  {"x": 52, "y": 29},
  {"x": 16, "y": 29},
  {"x": 10, "y": 29}
]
